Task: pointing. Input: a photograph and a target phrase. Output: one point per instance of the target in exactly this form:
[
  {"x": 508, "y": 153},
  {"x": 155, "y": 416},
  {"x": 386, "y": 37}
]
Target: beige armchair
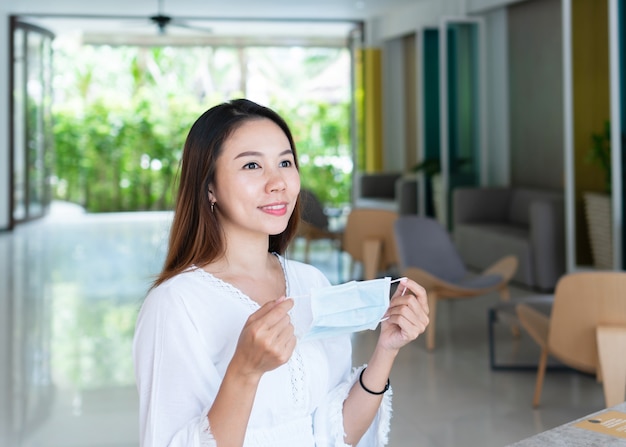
[
  {"x": 368, "y": 238},
  {"x": 585, "y": 331}
]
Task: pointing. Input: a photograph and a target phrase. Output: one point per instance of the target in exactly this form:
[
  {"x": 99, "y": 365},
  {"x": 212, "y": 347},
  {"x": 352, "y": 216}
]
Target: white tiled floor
[{"x": 71, "y": 286}]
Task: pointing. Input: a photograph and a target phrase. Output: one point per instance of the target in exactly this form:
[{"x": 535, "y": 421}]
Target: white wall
[
  {"x": 406, "y": 20},
  {"x": 4, "y": 121}
]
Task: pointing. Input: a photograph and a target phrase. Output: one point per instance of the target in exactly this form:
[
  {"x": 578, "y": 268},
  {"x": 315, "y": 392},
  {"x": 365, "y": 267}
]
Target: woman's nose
[{"x": 276, "y": 181}]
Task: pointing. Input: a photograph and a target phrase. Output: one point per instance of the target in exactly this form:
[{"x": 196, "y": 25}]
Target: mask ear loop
[
  {"x": 398, "y": 280},
  {"x": 403, "y": 291}
]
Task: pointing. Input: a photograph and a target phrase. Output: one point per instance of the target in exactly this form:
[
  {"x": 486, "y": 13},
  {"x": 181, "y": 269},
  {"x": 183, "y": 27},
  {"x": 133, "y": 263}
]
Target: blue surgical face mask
[{"x": 336, "y": 310}]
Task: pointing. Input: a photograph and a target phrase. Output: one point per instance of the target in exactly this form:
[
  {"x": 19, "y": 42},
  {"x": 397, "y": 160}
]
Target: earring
[{"x": 213, "y": 207}]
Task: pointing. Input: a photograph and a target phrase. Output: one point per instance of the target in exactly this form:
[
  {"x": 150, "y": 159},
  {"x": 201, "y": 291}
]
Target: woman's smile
[{"x": 275, "y": 209}]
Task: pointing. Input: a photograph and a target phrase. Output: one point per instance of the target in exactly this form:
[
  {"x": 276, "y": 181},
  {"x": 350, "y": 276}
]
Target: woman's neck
[
  {"x": 245, "y": 255},
  {"x": 249, "y": 267}
]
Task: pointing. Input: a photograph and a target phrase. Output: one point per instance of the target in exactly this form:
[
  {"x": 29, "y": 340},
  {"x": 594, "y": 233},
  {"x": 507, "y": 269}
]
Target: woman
[{"x": 216, "y": 359}]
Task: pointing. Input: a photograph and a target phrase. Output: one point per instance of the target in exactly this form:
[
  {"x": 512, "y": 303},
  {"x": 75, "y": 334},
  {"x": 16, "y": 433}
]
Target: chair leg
[
  {"x": 541, "y": 372},
  {"x": 432, "y": 317},
  {"x": 505, "y": 296},
  {"x": 611, "y": 347},
  {"x": 372, "y": 249}
]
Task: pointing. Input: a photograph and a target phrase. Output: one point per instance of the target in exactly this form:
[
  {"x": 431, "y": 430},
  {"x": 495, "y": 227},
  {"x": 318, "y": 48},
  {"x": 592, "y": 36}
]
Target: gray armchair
[
  {"x": 489, "y": 223},
  {"x": 391, "y": 191}
]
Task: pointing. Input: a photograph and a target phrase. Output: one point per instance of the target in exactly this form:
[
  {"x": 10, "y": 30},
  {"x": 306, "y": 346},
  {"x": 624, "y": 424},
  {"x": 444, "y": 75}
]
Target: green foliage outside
[
  {"x": 120, "y": 126},
  {"x": 322, "y": 141}
]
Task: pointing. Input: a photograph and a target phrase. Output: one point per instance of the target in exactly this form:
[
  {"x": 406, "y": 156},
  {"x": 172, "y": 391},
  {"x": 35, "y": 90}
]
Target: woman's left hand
[{"x": 407, "y": 316}]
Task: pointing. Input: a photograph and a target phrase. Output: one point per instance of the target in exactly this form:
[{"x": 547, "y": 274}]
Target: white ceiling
[
  {"x": 290, "y": 9},
  {"x": 127, "y": 21}
]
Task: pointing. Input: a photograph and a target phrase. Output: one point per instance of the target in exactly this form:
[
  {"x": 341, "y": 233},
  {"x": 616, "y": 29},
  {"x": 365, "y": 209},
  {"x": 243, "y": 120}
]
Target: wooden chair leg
[
  {"x": 541, "y": 372},
  {"x": 372, "y": 249},
  {"x": 611, "y": 348},
  {"x": 432, "y": 317},
  {"x": 505, "y": 296}
]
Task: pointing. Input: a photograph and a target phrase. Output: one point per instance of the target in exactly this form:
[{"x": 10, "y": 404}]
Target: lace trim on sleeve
[
  {"x": 205, "y": 436},
  {"x": 378, "y": 432}
]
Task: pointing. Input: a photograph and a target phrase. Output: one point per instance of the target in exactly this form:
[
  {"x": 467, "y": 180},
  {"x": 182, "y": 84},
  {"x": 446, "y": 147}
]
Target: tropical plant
[
  {"x": 600, "y": 153},
  {"x": 432, "y": 166},
  {"x": 429, "y": 167}
]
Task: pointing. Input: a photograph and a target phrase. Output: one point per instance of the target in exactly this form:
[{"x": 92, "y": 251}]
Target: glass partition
[
  {"x": 430, "y": 125},
  {"x": 462, "y": 135}
]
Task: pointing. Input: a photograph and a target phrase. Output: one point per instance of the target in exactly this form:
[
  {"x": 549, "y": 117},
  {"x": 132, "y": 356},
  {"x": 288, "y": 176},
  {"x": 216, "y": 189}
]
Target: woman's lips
[{"x": 275, "y": 209}]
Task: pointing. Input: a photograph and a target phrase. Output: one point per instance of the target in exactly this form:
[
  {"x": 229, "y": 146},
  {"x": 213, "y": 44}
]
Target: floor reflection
[{"x": 75, "y": 284}]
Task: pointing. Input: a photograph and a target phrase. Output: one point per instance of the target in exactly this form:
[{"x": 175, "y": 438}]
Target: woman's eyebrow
[
  {"x": 248, "y": 154},
  {"x": 260, "y": 154}
]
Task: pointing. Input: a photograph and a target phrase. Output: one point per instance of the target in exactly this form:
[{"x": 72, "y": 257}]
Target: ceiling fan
[{"x": 163, "y": 21}]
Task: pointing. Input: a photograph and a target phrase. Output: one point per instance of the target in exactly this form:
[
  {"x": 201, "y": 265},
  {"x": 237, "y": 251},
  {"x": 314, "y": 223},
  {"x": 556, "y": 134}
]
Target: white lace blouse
[{"x": 186, "y": 334}]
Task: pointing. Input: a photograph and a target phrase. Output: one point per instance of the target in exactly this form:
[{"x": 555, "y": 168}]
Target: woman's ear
[{"x": 212, "y": 198}]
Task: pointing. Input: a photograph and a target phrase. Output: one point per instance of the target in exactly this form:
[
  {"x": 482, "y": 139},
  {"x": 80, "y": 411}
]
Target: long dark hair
[{"x": 196, "y": 236}]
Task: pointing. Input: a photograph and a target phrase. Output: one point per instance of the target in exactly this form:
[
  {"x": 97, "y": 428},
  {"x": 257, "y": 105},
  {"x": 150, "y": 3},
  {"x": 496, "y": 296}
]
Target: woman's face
[{"x": 256, "y": 180}]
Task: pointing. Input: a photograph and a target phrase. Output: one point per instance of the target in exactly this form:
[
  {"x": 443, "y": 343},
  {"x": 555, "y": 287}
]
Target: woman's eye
[
  {"x": 285, "y": 163},
  {"x": 251, "y": 165}
]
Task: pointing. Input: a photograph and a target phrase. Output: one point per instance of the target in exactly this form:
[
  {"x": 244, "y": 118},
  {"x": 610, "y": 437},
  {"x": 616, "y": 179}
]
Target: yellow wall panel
[{"x": 372, "y": 103}]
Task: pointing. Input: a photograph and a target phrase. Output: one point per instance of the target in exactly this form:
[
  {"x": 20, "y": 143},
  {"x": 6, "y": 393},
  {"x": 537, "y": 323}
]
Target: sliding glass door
[{"x": 31, "y": 138}]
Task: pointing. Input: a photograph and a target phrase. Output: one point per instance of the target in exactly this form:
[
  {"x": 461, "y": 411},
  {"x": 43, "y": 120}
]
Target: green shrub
[{"x": 120, "y": 137}]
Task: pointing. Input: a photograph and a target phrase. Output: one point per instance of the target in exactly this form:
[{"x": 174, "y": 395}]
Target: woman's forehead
[{"x": 258, "y": 135}]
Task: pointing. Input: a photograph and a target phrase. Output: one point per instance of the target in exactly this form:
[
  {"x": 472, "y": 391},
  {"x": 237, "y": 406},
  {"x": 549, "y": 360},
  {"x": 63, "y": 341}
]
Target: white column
[{"x": 568, "y": 117}]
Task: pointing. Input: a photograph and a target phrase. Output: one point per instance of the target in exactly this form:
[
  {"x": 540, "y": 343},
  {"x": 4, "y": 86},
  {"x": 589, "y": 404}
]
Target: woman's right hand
[
  {"x": 267, "y": 339},
  {"x": 266, "y": 342}
]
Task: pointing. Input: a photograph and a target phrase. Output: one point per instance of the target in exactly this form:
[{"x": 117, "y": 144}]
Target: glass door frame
[
  {"x": 617, "y": 196},
  {"x": 44, "y": 137},
  {"x": 616, "y": 62}
]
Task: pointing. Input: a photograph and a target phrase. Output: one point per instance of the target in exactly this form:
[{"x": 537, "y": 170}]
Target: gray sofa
[
  {"x": 388, "y": 190},
  {"x": 489, "y": 223}
]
